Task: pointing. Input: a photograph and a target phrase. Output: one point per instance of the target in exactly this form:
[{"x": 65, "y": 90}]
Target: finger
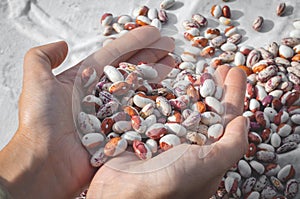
[
  {"x": 154, "y": 52},
  {"x": 234, "y": 143},
  {"x": 118, "y": 50},
  {"x": 212, "y": 185},
  {"x": 163, "y": 67},
  {"x": 124, "y": 47},
  {"x": 163, "y": 70},
  {"x": 128, "y": 162},
  {"x": 39, "y": 61},
  {"x": 167, "y": 60},
  {"x": 234, "y": 89},
  {"x": 221, "y": 73}
]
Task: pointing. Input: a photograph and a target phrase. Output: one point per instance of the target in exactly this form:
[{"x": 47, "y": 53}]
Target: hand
[
  {"x": 195, "y": 172},
  {"x": 45, "y": 158}
]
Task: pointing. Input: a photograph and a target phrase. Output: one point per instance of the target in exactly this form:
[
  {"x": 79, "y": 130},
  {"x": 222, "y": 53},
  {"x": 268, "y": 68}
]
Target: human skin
[
  {"x": 45, "y": 158},
  {"x": 196, "y": 173}
]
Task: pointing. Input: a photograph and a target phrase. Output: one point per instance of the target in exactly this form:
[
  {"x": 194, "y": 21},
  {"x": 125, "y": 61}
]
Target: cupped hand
[
  {"x": 185, "y": 171},
  {"x": 45, "y": 159}
]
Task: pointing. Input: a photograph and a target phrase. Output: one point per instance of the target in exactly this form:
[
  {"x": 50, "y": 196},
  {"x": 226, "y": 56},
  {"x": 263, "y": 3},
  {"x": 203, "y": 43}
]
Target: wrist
[{"x": 23, "y": 167}]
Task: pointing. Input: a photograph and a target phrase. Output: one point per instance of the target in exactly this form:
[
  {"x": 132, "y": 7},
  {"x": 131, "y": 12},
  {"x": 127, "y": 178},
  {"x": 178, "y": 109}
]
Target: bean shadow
[
  {"x": 169, "y": 31},
  {"x": 212, "y": 23},
  {"x": 267, "y": 26},
  {"x": 179, "y": 46},
  {"x": 244, "y": 39},
  {"x": 176, "y": 6},
  {"x": 243, "y": 33},
  {"x": 235, "y": 23},
  {"x": 172, "y": 19},
  {"x": 170, "y": 28},
  {"x": 288, "y": 10},
  {"x": 236, "y": 14},
  {"x": 229, "y": 1}
]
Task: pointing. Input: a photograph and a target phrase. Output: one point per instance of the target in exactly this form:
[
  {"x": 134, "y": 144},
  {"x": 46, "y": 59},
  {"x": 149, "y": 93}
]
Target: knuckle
[{"x": 31, "y": 52}]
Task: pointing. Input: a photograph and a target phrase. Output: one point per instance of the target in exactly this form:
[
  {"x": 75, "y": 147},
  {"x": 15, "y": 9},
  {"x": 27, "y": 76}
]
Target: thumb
[
  {"x": 234, "y": 143},
  {"x": 39, "y": 61}
]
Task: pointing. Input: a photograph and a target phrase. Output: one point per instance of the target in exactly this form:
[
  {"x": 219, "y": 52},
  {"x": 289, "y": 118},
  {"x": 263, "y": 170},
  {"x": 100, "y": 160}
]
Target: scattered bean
[{"x": 166, "y": 117}]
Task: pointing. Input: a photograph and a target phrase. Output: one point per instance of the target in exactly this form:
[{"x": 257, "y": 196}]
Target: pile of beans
[{"x": 125, "y": 109}]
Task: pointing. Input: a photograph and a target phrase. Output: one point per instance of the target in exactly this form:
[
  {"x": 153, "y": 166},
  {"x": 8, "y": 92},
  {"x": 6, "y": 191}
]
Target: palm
[
  {"x": 51, "y": 114},
  {"x": 66, "y": 144},
  {"x": 46, "y": 116},
  {"x": 46, "y": 109},
  {"x": 201, "y": 168},
  {"x": 159, "y": 174}
]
